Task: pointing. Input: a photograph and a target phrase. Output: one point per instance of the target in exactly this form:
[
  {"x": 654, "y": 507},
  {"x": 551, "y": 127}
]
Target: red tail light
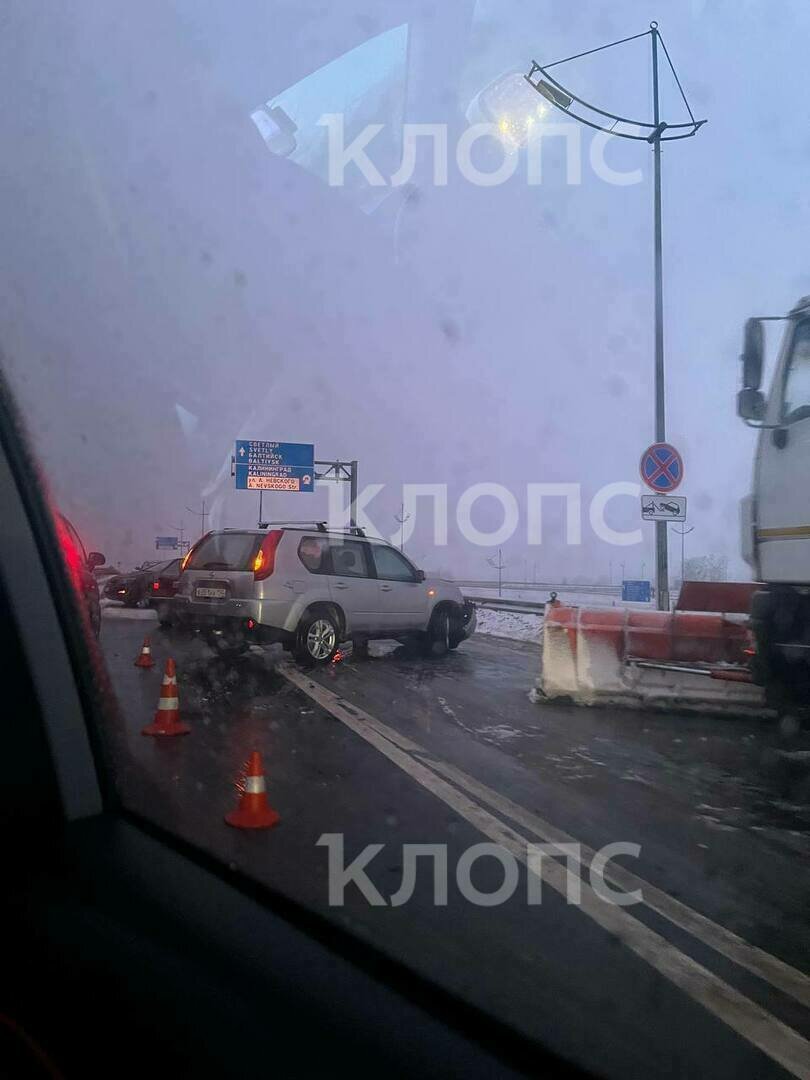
[
  {"x": 156, "y": 585},
  {"x": 265, "y": 562}
]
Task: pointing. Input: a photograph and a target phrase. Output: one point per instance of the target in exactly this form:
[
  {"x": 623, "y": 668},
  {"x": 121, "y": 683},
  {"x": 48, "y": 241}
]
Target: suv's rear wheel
[{"x": 317, "y": 638}]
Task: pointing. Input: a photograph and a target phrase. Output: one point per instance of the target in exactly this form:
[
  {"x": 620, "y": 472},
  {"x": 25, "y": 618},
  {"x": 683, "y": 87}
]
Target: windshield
[
  {"x": 797, "y": 375},
  {"x": 410, "y": 328}
]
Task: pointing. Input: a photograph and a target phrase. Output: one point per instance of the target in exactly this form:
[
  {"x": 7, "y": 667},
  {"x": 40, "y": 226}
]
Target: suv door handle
[
  {"x": 386, "y": 588},
  {"x": 341, "y": 585}
]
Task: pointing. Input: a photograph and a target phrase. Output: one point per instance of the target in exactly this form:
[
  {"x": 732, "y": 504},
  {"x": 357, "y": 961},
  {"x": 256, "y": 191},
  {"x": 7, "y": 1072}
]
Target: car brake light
[
  {"x": 156, "y": 585},
  {"x": 264, "y": 563}
]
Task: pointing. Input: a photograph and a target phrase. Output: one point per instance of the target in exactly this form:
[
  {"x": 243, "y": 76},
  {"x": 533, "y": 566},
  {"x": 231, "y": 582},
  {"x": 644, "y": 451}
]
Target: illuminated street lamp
[{"x": 655, "y": 133}]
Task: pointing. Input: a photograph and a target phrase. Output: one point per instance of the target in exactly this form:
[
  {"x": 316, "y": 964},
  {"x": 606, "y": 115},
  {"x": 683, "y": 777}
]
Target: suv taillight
[{"x": 265, "y": 561}]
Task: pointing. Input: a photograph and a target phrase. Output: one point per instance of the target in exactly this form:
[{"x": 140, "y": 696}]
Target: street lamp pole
[
  {"x": 401, "y": 518},
  {"x": 661, "y": 551},
  {"x": 654, "y": 133},
  {"x": 201, "y": 514}
]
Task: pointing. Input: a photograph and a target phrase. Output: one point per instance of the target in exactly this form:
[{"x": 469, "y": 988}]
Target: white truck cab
[{"x": 776, "y": 515}]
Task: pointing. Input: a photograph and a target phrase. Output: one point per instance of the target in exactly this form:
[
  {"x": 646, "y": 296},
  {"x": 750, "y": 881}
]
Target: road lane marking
[
  {"x": 780, "y": 975},
  {"x": 776, "y": 972},
  {"x": 753, "y": 1023}
]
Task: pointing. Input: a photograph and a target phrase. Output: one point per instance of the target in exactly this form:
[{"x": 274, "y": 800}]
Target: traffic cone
[
  {"x": 167, "y": 717},
  {"x": 144, "y": 658},
  {"x": 253, "y": 810}
]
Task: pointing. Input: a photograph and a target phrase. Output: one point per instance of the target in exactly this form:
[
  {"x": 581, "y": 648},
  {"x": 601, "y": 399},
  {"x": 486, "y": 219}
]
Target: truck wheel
[{"x": 317, "y": 638}]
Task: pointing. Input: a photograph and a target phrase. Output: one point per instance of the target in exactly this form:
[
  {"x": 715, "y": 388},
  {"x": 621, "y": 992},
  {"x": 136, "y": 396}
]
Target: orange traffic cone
[
  {"x": 167, "y": 717},
  {"x": 144, "y": 658},
  {"x": 253, "y": 811}
]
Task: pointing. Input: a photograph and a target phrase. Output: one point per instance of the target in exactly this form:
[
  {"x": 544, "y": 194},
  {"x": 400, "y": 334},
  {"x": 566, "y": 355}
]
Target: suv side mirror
[
  {"x": 751, "y": 404},
  {"x": 752, "y": 354},
  {"x": 94, "y": 559},
  {"x": 420, "y": 575}
]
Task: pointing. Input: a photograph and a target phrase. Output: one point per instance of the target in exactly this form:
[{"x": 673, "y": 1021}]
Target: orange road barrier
[
  {"x": 167, "y": 718},
  {"x": 144, "y": 657},
  {"x": 623, "y": 656},
  {"x": 253, "y": 810}
]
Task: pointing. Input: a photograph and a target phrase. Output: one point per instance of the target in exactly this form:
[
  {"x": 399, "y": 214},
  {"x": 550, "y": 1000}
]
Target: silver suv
[{"x": 311, "y": 587}]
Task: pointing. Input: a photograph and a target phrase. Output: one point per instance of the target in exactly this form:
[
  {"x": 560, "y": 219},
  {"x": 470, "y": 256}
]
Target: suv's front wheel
[
  {"x": 439, "y": 636},
  {"x": 317, "y": 638}
]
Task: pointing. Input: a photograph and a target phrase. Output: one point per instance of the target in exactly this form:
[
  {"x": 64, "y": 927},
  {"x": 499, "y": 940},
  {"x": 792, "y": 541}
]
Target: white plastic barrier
[{"x": 623, "y": 657}]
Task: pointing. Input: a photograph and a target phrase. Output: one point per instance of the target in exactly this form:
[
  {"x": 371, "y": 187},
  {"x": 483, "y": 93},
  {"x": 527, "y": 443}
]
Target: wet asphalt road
[{"x": 719, "y": 808}]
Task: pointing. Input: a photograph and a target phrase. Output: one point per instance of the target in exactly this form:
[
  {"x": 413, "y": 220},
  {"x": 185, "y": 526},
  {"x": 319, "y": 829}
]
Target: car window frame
[
  {"x": 325, "y": 569},
  {"x": 413, "y": 579},
  {"x": 368, "y": 562}
]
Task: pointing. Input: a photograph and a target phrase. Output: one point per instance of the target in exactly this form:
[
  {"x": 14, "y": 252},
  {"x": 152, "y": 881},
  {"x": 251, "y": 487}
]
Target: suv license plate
[{"x": 216, "y": 594}]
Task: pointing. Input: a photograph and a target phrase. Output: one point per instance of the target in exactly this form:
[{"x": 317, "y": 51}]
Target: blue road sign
[
  {"x": 274, "y": 466},
  {"x": 637, "y": 591},
  {"x": 167, "y": 542},
  {"x": 661, "y": 467}
]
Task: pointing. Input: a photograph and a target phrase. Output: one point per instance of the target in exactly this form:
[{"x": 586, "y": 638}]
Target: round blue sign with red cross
[{"x": 661, "y": 467}]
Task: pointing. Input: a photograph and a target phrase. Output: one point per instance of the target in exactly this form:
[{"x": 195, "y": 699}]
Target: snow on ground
[
  {"x": 509, "y": 624},
  {"x": 541, "y": 596},
  {"x": 111, "y": 610}
]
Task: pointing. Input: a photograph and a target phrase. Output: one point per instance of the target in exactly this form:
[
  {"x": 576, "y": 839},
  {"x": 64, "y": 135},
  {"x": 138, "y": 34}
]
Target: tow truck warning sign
[{"x": 261, "y": 465}]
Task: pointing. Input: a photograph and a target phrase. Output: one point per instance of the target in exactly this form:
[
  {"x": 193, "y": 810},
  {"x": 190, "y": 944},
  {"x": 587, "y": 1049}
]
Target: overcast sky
[{"x": 168, "y": 283}]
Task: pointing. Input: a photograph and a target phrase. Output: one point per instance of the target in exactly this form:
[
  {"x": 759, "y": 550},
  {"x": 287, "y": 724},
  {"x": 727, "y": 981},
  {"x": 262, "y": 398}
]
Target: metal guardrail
[
  {"x": 542, "y": 586},
  {"x": 496, "y": 603}
]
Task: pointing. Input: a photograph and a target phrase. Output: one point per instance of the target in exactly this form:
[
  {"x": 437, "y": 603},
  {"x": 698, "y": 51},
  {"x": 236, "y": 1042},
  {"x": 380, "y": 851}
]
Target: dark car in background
[
  {"x": 80, "y": 566},
  {"x": 165, "y": 579},
  {"x": 137, "y": 586}
]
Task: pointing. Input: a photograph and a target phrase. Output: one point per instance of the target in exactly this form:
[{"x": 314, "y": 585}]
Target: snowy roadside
[
  {"x": 510, "y": 624},
  {"x": 111, "y": 609}
]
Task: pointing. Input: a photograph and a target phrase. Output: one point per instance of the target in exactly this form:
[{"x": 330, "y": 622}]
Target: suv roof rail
[{"x": 321, "y": 526}]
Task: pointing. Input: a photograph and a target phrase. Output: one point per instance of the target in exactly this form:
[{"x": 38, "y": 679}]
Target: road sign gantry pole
[{"x": 341, "y": 470}]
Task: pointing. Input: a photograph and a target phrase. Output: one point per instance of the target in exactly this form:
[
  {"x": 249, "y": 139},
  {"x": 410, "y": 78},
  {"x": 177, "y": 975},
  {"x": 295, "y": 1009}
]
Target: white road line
[
  {"x": 774, "y": 971},
  {"x": 757, "y": 1026},
  {"x": 780, "y": 975}
]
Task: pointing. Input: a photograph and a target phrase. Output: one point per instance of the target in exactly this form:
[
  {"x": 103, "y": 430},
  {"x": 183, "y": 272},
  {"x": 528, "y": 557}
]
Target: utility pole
[
  {"x": 401, "y": 517},
  {"x": 202, "y": 514},
  {"x": 683, "y": 532},
  {"x": 499, "y": 565}
]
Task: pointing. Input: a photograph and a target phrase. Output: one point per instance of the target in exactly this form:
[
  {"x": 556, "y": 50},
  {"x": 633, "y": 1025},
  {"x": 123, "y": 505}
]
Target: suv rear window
[
  {"x": 225, "y": 551},
  {"x": 313, "y": 553}
]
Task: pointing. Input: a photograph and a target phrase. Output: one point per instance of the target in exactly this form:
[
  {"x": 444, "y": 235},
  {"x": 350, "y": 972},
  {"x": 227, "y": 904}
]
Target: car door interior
[{"x": 129, "y": 953}]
